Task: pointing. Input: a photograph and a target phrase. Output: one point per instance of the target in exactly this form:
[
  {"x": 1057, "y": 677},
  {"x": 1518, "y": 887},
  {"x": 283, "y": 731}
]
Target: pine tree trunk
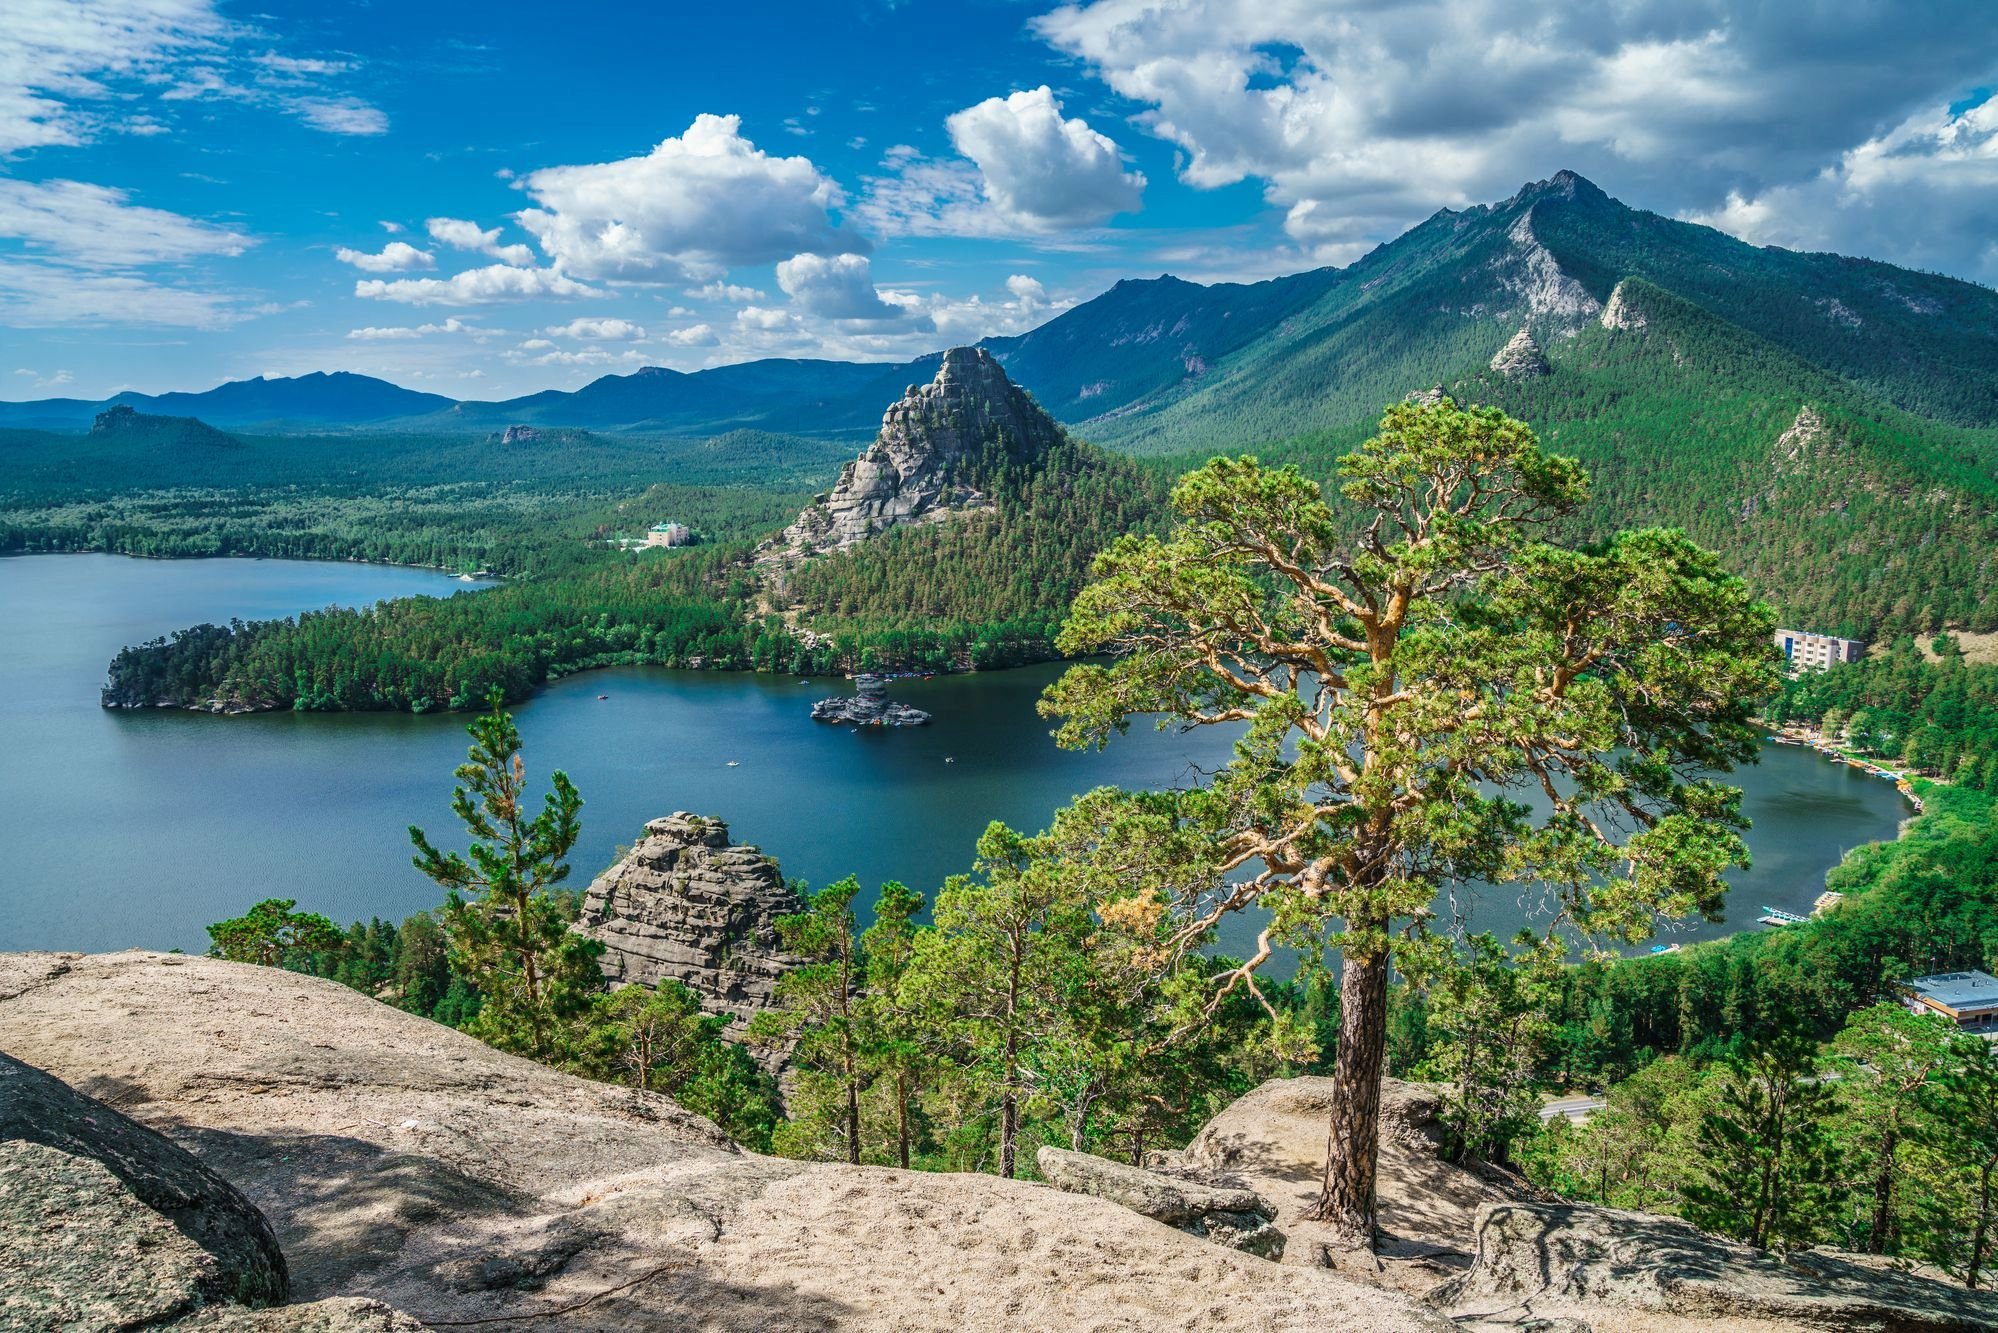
[
  {"x": 1883, "y": 1195},
  {"x": 1978, "y": 1234},
  {"x": 1009, "y": 1104},
  {"x": 852, "y": 1113},
  {"x": 902, "y": 1117},
  {"x": 1352, "y": 1145}
]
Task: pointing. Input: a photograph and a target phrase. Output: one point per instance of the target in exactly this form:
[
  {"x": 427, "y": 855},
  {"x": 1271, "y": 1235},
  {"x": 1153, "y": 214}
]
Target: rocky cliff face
[
  {"x": 688, "y": 905},
  {"x": 912, "y": 473}
]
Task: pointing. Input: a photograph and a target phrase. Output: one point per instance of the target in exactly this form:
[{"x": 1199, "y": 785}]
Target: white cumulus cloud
[
  {"x": 407, "y": 333},
  {"x": 395, "y": 257},
  {"x": 597, "y": 329},
  {"x": 1024, "y": 168},
  {"x": 837, "y": 287},
  {"x": 462, "y": 235},
  {"x": 478, "y": 286},
  {"x": 690, "y": 209},
  {"x": 1041, "y": 170}
]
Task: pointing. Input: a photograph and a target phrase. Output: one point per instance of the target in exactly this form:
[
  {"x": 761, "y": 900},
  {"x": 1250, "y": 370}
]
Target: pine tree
[
  {"x": 816, "y": 1016},
  {"x": 508, "y": 932},
  {"x": 1766, "y": 1162}
]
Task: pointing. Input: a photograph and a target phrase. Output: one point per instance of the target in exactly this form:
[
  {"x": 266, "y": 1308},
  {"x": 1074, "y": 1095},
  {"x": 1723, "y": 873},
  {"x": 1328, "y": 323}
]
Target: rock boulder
[
  {"x": 1521, "y": 358},
  {"x": 56, "y": 1144},
  {"x": 1237, "y": 1218}
]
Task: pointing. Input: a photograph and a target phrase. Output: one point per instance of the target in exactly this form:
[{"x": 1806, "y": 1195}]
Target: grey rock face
[
  {"x": 212, "y": 1243},
  {"x": 1606, "y": 1256},
  {"x": 519, "y": 435},
  {"x": 688, "y": 905},
  {"x": 1237, "y": 1218},
  {"x": 1621, "y": 312},
  {"x": 906, "y": 475},
  {"x": 1426, "y": 397},
  {"x": 868, "y": 706},
  {"x": 1521, "y": 358}
]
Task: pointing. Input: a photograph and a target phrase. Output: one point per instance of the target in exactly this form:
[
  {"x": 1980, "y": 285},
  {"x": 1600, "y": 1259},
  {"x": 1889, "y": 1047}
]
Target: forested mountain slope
[{"x": 1850, "y": 515}]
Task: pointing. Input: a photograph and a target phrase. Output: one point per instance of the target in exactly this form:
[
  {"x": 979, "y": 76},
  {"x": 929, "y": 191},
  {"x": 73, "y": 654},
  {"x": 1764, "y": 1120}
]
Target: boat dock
[{"x": 1776, "y": 916}]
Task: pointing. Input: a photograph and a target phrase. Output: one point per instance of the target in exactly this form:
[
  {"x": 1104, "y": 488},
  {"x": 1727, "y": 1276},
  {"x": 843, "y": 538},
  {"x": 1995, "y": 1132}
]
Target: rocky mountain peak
[
  {"x": 911, "y": 473},
  {"x": 1521, "y": 357}
]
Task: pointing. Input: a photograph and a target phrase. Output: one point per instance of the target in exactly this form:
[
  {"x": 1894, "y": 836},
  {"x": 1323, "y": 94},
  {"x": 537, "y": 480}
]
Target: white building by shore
[{"x": 1805, "y": 651}]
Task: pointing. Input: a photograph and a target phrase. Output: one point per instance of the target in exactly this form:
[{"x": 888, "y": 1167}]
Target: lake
[{"x": 123, "y": 829}]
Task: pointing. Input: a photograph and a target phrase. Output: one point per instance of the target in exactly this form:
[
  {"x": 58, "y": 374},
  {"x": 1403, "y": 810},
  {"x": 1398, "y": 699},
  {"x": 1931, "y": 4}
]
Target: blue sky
[{"x": 486, "y": 200}]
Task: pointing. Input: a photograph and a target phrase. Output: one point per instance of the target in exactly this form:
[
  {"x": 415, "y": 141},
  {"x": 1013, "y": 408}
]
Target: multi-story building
[
  {"x": 669, "y": 534},
  {"x": 1804, "y": 651},
  {"x": 1967, "y": 999}
]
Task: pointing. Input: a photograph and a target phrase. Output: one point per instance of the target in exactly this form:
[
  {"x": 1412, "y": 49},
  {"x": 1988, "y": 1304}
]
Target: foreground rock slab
[
  {"x": 1573, "y": 1257},
  {"x": 1237, "y": 1218},
  {"x": 405, "y": 1163}
]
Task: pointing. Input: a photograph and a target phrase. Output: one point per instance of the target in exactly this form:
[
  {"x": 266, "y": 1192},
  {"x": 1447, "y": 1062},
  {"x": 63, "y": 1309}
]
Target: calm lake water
[{"x": 121, "y": 829}]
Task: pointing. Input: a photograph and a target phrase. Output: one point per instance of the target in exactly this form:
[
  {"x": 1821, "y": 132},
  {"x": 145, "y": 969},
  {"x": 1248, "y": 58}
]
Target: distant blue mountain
[{"x": 314, "y": 401}]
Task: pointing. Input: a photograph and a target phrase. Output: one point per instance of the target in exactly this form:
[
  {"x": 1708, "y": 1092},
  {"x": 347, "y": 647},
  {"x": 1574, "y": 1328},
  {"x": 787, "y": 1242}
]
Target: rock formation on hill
[
  {"x": 688, "y": 905},
  {"x": 404, "y": 1162},
  {"x": 914, "y": 471},
  {"x": 1521, "y": 358},
  {"x": 1572, "y": 1260},
  {"x": 125, "y": 422}
]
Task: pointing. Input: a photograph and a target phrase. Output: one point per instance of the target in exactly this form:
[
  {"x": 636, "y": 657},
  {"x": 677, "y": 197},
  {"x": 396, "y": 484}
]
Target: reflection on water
[{"x": 139, "y": 828}]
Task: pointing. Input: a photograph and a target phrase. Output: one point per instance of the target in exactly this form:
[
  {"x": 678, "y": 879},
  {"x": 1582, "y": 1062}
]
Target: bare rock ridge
[
  {"x": 1521, "y": 358},
  {"x": 912, "y": 472},
  {"x": 402, "y": 1162},
  {"x": 688, "y": 905}
]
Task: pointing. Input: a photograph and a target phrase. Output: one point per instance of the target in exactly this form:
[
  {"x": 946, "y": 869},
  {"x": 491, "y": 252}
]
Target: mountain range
[{"x": 1156, "y": 364}]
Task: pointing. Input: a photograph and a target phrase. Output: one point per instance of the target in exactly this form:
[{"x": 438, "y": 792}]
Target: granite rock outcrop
[
  {"x": 210, "y": 1243},
  {"x": 688, "y": 905},
  {"x": 914, "y": 471},
  {"x": 1521, "y": 357}
]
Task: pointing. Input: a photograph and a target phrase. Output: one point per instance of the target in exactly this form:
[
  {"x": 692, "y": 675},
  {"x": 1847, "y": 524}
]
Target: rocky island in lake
[{"x": 868, "y": 706}]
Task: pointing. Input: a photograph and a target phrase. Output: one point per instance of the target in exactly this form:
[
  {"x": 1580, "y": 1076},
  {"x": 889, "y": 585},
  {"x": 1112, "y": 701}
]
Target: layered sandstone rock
[
  {"x": 913, "y": 472},
  {"x": 688, "y": 905}
]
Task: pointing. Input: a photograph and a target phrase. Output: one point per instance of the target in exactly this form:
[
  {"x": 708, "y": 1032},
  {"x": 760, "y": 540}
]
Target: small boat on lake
[{"x": 603, "y": 696}]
